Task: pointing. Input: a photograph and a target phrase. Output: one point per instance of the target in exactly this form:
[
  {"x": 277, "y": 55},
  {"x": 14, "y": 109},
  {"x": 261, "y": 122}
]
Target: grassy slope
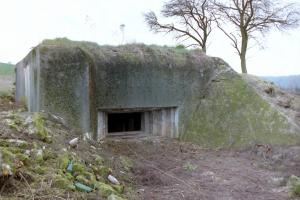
[
  {"x": 7, "y": 72},
  {"x": 6, "y": 69}
]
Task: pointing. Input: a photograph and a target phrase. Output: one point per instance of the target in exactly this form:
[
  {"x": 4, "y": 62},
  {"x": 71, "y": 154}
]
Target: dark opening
[{"x": 124, "y": 122}]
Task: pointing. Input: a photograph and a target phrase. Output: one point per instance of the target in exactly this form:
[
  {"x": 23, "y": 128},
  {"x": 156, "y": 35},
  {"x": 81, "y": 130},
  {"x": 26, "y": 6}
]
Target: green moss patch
[
  {"x": 41, "y": 131},
  {"x": 232, "y": 114}
]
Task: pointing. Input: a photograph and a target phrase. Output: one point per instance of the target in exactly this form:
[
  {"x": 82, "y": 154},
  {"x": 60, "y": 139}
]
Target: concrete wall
[
  {"x": 56, "y": 81},
  {"x": 27, "y": 81},
  {"x": 65, "y": 85}
]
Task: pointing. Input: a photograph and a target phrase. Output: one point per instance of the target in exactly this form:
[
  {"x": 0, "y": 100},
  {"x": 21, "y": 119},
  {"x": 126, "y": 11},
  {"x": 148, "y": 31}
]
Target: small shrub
[{"x": 189, "y": 167}]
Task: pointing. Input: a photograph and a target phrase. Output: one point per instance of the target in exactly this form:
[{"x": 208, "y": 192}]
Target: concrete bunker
[
  {"x": 138, "y": 122},
  {"x": 136, "y": 90}
]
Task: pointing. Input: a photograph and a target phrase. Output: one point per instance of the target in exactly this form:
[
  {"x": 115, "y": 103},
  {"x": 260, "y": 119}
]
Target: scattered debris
[
  {"x": 263, "y": 150},
  {"x": 83, "y": 188},
  {"x": 6, "y": 170},
  {"x": 113, "y": 180},
  {"x": 74, "y": 142},
  {"x": 270, "y": 90},
  {"x": 87, "y": 136},
  {"x": 284, "y": 102},
  {"x": 70, "y": 167}
]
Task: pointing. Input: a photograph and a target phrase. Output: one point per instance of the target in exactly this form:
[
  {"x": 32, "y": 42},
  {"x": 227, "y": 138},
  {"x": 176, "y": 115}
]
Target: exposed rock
[
  {"x": 284, "y": 102},
  {"x": 74, "y": 142},
  {"x": 113, "y": 180},
  {"x": 270, "y": 90},
  {"x": 6, "y": 170}
]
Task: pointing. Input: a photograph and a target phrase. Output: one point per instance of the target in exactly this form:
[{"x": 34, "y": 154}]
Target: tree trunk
[
  {"x": 204, "y": 49},
  {"x": 243, "y": 52},
  {"x": 243, "y": 63}
]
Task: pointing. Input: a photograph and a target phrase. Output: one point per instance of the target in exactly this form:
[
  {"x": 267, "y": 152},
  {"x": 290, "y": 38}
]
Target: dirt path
[{"x": 172, "y": 170}]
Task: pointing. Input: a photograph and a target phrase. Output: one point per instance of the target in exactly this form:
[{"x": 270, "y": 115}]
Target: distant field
[
  {"x": 7, "y": 77},
  {"x": 7, "y": 69}
]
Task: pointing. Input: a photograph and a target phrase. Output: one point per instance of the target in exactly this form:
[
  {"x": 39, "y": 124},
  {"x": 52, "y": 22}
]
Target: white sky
[{"x": 26, "y": 23}]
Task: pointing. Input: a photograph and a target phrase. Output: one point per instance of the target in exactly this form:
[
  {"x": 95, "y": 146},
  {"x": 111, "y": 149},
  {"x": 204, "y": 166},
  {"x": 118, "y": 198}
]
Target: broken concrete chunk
[
  {"x": 28, "y": 120},
  {"x": 74, "y": 142},
  {"x": 87, "y": 136},
  {"x": 27, "y": 152},
  {"x": 113, "y": 180}
]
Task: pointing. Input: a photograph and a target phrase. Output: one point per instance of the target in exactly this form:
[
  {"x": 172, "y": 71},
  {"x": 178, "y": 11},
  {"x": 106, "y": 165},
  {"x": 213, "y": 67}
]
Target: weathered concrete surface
[{"x": 216, "y": 108}]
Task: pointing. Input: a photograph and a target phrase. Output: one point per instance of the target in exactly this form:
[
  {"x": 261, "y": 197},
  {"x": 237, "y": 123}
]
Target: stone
[
  {"x": 74, "y": 142},
  {"x": 6, "y": 170},
  {"x": 270, "y": 90},
  {"x": 113, "y": 180},
  {"x": 284, "y": 102}
]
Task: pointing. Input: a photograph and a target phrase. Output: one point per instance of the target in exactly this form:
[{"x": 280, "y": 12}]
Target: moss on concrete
[{"x": 232, "y": 114}]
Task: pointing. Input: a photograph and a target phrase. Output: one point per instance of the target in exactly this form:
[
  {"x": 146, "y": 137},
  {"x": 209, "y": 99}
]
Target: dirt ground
[{"x": 167, "y": 169}]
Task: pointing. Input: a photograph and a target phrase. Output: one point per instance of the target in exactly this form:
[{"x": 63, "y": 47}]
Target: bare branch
[
  {"x": 193, "y": 19},
  {"x": 249, "y": 17}
]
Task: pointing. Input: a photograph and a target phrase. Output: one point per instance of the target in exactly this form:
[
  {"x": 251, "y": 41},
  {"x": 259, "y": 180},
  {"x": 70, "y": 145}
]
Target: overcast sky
[{"x": 24, "y": 24}]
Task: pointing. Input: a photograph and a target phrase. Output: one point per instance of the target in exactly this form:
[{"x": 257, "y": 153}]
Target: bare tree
[
  {"x": 250, "y": 17},
  {"x": 192, "y": 21}
]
